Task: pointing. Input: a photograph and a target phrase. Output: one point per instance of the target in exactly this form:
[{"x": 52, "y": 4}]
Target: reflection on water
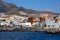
[{"x": 28, "y": 36}]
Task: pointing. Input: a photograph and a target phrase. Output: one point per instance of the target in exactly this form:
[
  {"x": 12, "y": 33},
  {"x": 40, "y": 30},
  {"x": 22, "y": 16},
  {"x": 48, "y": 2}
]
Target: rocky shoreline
[
  {"x": 52, "y": 32},
  {"x": 24, "y": 29}
]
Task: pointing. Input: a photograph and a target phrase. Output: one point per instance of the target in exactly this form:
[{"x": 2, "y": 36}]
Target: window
[
  {"x": 52, "y": 25},
  {"x": 48, "y": 25},
  {"x": 45, "y": 25}
]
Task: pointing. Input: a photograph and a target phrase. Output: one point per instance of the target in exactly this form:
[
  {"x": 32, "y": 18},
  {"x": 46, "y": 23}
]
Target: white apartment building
[
  {"x": 49, "y": 24},
  {"x": 17, "y": 18}
]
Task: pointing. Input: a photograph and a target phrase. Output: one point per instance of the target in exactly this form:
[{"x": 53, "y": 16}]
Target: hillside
[{"x": 10, "y": 8}]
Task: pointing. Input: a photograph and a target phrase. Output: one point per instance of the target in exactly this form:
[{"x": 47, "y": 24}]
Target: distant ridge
[{"x": 10, "y": 8}]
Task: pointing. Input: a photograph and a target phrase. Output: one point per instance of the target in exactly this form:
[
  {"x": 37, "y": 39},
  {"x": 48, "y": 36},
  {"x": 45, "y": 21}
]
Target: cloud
[{"x": 48, "y": 10}]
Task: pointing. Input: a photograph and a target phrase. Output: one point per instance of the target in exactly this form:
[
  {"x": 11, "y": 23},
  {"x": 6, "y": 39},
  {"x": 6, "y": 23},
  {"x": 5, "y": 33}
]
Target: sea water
[{"x": 28, "y": 36}]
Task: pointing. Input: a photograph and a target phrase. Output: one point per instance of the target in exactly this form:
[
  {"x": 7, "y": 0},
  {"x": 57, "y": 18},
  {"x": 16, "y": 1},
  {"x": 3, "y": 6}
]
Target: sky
[{"x": 39, "y": 5}]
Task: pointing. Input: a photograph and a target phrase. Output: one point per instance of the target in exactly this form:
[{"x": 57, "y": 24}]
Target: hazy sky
[{"x": 41, "y": 5}]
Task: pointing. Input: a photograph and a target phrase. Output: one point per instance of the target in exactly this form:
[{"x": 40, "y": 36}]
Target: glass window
[
  {"x": 52, "y": 25},
  {"x": 45, "y": 25},
  {"x": 48, "y": 25}
]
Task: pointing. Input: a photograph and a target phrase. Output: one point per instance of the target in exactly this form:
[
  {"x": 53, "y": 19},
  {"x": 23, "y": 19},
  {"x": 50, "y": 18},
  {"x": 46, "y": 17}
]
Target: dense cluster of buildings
[
  {"x": 45, "y": 21},
  {"x": 13, "y": 20}
]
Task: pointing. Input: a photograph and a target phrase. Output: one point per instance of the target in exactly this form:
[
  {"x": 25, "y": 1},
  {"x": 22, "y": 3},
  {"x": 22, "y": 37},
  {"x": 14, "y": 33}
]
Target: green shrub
[{"x": 1, "y": 26}]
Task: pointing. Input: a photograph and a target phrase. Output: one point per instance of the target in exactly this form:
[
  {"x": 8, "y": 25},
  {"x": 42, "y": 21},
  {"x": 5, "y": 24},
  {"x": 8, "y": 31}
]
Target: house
[
  {"x": 51, "y": 24},
  {"x": 4, "y": 23},
  {"x": 36, "y": 21},
  {"x": 23, "y": 24},
  {"x": 17, "y": 18},
  {"x": 27, "y": 24},
  {"x": 58, "y": 19},
  {"x": 31, "y": 20},
  {"x": 35, "y": 24},
  {"x": 4, "y": 20},
  {"x": 44, "y": 15},
  {"x": 42, "y": 19}
]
